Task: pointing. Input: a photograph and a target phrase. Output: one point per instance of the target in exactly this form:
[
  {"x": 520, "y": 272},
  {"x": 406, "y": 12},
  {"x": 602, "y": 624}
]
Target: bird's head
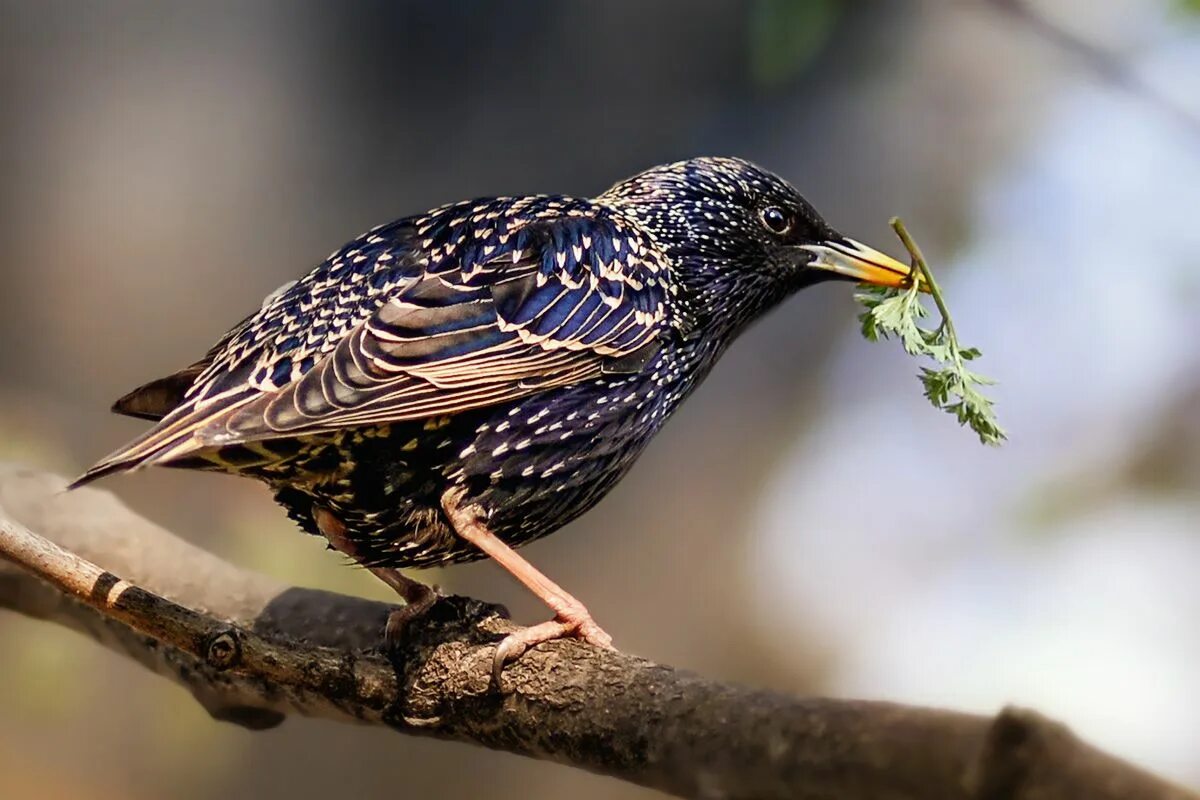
[{"x": 741, "y": 238}]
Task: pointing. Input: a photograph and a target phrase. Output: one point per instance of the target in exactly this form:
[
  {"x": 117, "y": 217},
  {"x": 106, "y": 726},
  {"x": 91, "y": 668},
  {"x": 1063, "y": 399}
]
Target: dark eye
[{"x": 776, "y": 219}]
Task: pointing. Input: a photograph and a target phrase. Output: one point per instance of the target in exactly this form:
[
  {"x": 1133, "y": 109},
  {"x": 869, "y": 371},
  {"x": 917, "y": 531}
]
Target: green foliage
[
  {"x": 952, "y": 387},
  {"x": 785, "y": 35},
  {"x": 1190, "y": 6}
]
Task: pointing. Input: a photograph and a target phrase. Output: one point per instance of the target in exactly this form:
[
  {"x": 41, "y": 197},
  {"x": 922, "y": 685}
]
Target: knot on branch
[{"x": 223, "y": 649}]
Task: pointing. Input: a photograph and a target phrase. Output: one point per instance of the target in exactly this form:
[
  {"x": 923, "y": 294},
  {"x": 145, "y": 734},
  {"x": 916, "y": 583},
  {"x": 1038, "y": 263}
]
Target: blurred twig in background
[
  {"x": 1110, "y": 68},
  {"x": 251, "y": 651}
]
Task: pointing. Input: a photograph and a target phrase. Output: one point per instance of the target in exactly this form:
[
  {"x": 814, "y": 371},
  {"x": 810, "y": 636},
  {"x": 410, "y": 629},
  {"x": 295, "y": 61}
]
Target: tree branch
[{"x": 252, "y": 651}]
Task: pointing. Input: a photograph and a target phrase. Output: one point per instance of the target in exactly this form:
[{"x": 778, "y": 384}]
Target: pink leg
[
  {"x": 418, "y": 598},
  {"x": 571, "y": 617}
]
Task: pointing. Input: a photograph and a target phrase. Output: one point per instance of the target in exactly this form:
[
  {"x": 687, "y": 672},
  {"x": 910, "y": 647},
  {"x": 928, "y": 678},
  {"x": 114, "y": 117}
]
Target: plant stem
[{"x": 926, "y": 275}]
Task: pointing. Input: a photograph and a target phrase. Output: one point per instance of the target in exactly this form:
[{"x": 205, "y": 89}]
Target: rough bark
[{"x": 251, "y": 651}]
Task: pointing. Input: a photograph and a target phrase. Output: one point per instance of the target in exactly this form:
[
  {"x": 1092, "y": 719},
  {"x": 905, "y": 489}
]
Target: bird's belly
[
  {"x": 547, "y": 459},
  {"x": 532, "y": 465}
]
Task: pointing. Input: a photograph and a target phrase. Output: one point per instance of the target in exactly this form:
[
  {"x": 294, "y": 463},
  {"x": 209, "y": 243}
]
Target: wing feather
[{"x": 472, "y": 305}]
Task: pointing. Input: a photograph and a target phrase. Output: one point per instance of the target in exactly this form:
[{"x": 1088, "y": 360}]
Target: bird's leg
[
  {"x": 418, "y": 597},
  {"x": 571, "y": 617}
]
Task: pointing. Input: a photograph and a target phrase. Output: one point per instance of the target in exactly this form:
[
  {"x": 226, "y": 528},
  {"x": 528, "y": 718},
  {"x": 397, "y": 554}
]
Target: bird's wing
[{"x": 471, "y": 310}]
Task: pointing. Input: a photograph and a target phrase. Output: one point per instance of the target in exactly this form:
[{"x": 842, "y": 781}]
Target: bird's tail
[
  {"x": 173, "y": 438},
  {"x": 158, "y": 398},
  {"x": 156, "y": 446}
]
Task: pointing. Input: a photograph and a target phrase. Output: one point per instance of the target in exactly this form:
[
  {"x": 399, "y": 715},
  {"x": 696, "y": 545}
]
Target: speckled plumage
[{"x": 525, "y": 349}]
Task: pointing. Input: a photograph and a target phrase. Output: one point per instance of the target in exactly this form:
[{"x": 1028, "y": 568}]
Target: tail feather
[
  {"x": 109, "y": 466},
  {"x": 154, "y": 447},
  {"x": 172, "y": 438},
  {"x": 158, "y": 398}
]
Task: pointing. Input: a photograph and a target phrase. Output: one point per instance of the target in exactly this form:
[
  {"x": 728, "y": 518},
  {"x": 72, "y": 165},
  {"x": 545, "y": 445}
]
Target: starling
[{"x": 456, "y": 384}]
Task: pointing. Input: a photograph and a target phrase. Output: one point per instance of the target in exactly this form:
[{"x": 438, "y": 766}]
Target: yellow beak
[{"x": 864, "y": 264}]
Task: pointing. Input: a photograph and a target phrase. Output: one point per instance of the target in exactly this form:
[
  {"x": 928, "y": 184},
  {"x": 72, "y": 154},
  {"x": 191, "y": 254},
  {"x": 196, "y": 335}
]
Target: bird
[{"x": 453, "y": 385}]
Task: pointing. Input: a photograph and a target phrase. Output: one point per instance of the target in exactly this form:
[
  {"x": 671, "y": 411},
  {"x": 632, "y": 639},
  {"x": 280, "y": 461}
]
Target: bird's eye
[{"x": 776, "y": 219}]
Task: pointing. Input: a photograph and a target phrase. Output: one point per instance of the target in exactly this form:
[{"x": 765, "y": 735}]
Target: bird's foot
[
  {"x": 413, "y": 609},
  {"x": 418, "y": 598},
  {"x": 571, "y": 622},
  {"x": 570, "y": 616}
]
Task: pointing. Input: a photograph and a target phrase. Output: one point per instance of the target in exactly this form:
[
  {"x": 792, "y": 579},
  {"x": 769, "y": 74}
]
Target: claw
[
  {"x": 514, "y": 645},
  {"x": 400, "y": 619}
]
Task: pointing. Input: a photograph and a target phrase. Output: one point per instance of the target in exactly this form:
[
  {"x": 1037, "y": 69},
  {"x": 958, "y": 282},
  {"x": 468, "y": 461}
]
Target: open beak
[{"x": 861, "y": 263}]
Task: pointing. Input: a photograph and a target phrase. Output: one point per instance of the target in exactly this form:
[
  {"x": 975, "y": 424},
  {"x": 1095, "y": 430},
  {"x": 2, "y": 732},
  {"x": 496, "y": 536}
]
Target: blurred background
[{"x": 807, "y": 522}]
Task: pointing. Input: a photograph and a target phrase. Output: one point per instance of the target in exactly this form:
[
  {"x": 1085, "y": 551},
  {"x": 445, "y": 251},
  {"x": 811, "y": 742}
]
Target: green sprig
[{"x": 895, "y": 313}]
